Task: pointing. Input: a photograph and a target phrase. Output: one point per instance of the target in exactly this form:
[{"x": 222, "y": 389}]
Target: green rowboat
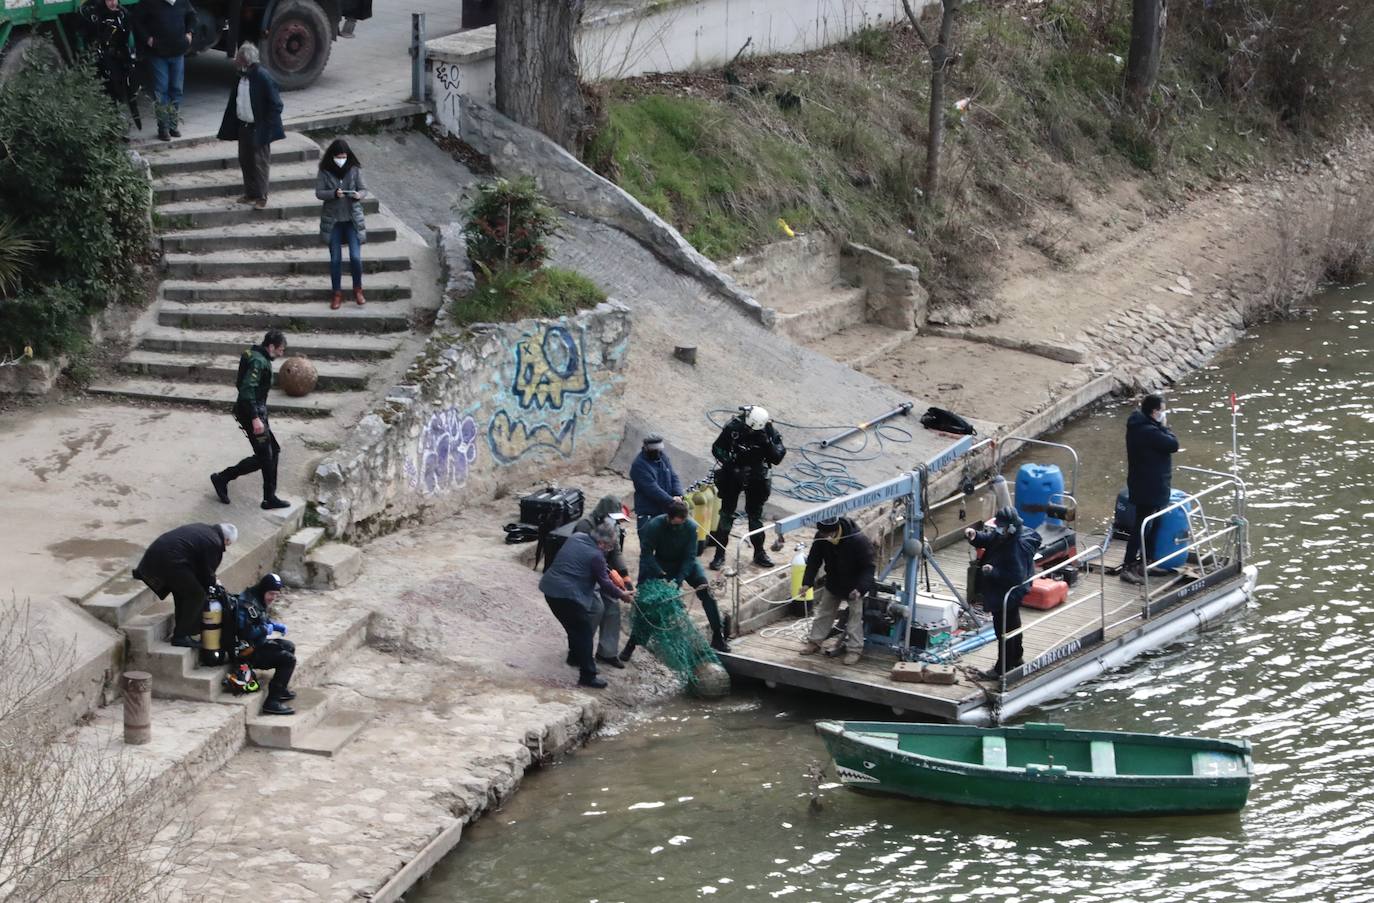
[{"x": 1042, "y": 767}]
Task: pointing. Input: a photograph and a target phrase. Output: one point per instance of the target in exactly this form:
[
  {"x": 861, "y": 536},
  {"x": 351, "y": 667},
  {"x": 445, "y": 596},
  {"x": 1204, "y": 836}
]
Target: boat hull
[{"x": 1030, "y": 788}]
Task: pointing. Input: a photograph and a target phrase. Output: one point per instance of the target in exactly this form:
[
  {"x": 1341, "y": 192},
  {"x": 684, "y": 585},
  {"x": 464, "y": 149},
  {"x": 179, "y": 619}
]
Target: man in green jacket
[
  {"x": 668, "y": 551},
  {"x": 250, "y": 410}
]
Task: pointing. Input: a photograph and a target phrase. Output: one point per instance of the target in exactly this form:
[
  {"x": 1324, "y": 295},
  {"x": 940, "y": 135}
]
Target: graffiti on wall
[
  {"x": 447, "y": 450},
  {"x": 550, "y": 392},
  {"x": 447, "y": 76}
]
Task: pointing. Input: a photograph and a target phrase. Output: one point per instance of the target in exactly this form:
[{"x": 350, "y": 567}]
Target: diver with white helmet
[{"x": 745, "y": 452}]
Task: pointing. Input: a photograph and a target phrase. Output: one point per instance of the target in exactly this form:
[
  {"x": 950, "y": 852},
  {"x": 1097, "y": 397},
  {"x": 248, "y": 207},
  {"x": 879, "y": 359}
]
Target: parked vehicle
[{"x": 294, "y": 36}]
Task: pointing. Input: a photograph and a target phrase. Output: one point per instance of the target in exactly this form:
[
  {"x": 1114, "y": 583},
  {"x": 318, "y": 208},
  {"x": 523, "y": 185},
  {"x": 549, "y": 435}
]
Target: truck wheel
[
  {"x": 28, "y": 47},
  {"x": 297, "y": 44}
]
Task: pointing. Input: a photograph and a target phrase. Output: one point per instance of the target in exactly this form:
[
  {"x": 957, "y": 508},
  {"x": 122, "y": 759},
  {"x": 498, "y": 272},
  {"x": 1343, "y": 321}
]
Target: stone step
[
  {"x": 223, "y": 369},
  {"x": 316, "y": 346},
  {"x": 332, "y": 733},
  {"x": 272, "y": 235},
  {"x": 332, "y": 565},
  {"x": 321, "y": 642},
  {"x": 289, "y": 316},
  {"x": 206, "y": 395},
  {"x": 222, "y": 155},
  {"x": 861, "y": 345},
  {"x": 302, "y": 262},
  {"x": 123, "y": 598},
  {"x": 293, "y": 569},
  {"x": 191, "y": 186},
  {"x": 841, "y": 308},
  {"x": 278, "y": 731},
  {"x": 211, "y": 212},
  {"x": 279, "y": 290}
]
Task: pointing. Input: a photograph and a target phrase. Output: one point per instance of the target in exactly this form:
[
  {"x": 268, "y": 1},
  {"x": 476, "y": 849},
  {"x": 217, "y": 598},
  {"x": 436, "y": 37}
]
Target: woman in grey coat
[{"x": 340, "y": 186}]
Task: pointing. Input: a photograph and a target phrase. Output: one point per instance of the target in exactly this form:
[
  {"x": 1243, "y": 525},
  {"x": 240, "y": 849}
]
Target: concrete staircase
[{"x": 231, "y": 272}]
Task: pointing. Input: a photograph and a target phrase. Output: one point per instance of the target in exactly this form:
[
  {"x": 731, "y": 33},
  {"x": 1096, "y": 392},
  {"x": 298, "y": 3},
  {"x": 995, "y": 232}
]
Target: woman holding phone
[{"x": 340, "y": 186}]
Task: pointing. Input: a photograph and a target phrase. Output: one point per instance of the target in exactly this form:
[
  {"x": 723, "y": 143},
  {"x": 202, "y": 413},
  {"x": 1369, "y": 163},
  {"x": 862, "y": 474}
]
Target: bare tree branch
[{"x": 916, "y": 24}]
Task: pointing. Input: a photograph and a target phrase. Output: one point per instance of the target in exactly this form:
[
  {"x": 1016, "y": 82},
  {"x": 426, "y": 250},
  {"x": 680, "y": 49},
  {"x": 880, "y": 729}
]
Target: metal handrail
[
  {"x": 1234, "y": 528},
  {"x": 1073, "y": 479},
  {"x": 1183, "y": 503}
]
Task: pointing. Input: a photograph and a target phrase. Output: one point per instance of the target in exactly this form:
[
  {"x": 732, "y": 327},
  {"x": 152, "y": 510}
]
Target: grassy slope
[{"x": 1045, "y": 123}]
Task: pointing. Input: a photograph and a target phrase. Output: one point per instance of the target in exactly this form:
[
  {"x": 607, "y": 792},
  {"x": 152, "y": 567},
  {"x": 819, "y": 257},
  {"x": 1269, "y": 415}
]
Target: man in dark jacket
[
  {"x": 570, "y": 588},
  {"x": 656, "y": 483},
  {"x": 183, "y": 562},
  {"x": 668, "y": 551},
  {"x": 745, "y": 452},
  {"x": 262, "y": 643},
  {"x": 1008, "y": 562},
  {"x": 847, "y": 556},
  {"x": 252, "y": 117},
  {"x": 1150, "y": 446},
  {"x": 250, "y": 410},
  {"x": 164, "y": 31},
  {"x": 106, "y": 27},
  {"x": 608, "y": 511}
]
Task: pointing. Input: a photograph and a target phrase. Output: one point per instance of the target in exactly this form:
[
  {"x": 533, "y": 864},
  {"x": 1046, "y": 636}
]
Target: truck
[{"x": 294, "y": 36}]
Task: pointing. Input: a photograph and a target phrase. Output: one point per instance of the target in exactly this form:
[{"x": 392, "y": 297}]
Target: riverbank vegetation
[
  {"x": 74, "y": 222},
  {"x": 1037, "y": 121}
]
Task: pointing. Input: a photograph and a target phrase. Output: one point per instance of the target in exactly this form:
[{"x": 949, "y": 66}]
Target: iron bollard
[
  {"x": 417, "y": 57},
  {"x": 137, "y": 688}
]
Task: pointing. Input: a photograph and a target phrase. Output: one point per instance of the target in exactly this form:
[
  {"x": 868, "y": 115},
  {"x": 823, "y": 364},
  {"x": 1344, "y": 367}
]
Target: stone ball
[
  {"x": 712, "y": 681},
  {"x": 297, "y": 376}
]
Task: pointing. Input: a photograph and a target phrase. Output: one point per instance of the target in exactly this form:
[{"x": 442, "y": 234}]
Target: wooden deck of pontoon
[{"x": 770, "y": 653}]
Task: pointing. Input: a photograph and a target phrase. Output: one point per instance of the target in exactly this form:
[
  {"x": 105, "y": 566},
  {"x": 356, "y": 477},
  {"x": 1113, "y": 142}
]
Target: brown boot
[
  {"x": 358, "y": 297},
  {"x": 337, "y": 301}
]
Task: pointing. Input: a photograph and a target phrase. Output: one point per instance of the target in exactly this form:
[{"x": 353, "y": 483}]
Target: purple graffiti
[{"x": 447, "y": 449}]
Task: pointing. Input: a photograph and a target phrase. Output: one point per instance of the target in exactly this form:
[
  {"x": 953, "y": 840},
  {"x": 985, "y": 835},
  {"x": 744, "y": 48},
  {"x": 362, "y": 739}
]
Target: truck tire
[
  {"x": 296, "y": 46},
  {"x": 27, "y": 47}
]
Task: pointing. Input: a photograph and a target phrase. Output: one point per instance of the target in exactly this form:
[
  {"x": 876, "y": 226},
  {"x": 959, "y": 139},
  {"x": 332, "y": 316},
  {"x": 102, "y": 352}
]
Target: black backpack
[{"x": 947, "y": 422}]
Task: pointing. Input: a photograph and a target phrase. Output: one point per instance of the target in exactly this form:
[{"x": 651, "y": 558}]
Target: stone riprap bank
[{"x": 489, "y": 407}]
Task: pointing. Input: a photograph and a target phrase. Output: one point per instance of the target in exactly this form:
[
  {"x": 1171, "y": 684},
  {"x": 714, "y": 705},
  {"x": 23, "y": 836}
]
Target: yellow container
[
  {"x": 712, "y": 506},
  {"x": 799, "y": 571},
  {"x": 700, "y": 512}
]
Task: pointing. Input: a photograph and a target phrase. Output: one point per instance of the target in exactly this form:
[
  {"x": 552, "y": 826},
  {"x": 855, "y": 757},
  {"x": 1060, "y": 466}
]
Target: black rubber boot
[
  {"x": 221, "y": 484},
  {"x": 628, "y": 651},
  {"x": 708, "y": 605},
  {"x": 760, "y": 554},
  {"x": 277, "y": 707}
]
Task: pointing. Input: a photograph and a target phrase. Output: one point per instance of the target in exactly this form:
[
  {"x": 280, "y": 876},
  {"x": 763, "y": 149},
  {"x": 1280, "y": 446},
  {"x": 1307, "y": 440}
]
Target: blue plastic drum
[
  {"x": 1172, "y": 534},
  {"x": 1038, "y": 485}
]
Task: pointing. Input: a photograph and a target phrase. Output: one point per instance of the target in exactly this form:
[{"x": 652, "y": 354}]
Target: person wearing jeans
[
  {"x": 164, "y": 30},
  {"x": 340, "y": 186}
]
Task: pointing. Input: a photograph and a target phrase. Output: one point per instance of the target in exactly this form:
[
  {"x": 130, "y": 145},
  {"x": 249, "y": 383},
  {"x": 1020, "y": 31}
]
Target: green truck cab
[{"x": 294, "y": 36}]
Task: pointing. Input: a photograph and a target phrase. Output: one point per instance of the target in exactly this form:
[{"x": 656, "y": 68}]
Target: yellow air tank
[
  {"x": 713, "y": 506},
  {"x": 700, "y": 512},
  {"x": 799, "y": 571}
]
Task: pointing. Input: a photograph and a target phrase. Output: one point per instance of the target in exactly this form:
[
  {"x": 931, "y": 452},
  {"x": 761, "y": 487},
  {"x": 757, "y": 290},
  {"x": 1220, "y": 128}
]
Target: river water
[{"x": 696, "y": 801}]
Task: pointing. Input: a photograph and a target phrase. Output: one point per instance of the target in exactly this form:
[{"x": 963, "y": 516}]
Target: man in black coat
[
  {"x": 848, "y": 558},
  {"x": 164, "y": 30},
  {"x": 1150, "y": 446},
  {"x": 183, "y": 562},
  {"x": 745, "y": 452},
  {"x": 252, "y": 117},
  {"x": 1008, "y": 562}
]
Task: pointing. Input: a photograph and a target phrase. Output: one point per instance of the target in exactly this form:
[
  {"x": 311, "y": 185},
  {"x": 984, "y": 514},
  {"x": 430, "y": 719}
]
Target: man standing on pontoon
[{"x": 1150, "y": 446}]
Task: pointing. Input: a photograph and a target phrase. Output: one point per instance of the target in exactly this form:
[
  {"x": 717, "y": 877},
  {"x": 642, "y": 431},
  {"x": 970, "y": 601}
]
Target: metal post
[
  {"x": 417, "y": 57},
  {"x": 137, "y": 689},
  {"x": 904, "y": 408}
]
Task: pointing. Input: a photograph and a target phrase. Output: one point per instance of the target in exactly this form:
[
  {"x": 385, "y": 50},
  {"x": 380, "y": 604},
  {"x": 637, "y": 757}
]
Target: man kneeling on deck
[
  {"x": 847, "y": 555},
  {"x": 1007, "y": 563},
  {"x": 262, "y": 642},
  {"x": 668, "y": 551}
]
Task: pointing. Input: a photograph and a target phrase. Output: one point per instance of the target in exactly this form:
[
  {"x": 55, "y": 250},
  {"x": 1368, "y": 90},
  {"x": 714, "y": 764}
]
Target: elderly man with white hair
[
  {"x": 184, "y": 562},
  {"x": 253, "y": 119}
]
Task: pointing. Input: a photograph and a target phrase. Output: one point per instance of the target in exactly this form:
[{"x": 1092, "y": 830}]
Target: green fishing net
[{"x": 661, "y": 623}]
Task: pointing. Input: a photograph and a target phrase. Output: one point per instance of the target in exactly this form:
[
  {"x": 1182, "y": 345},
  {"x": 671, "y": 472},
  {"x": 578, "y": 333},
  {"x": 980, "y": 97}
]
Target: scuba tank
[
  {"x": 1001, "y": 496},
  {"x": 211, "y": 620},
  {"x": 700, "y": 511},
  {"x": 712, "y": 506},
  {"x": 799, "y": 571}
]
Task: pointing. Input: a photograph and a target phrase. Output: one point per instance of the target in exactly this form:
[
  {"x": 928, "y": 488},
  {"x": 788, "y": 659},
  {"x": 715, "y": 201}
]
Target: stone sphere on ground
[
  {"x": 712, "y": 680},
  {"x": 297, "y": 376}
]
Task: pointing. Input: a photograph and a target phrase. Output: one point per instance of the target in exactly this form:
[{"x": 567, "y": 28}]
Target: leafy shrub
[
  {"x": 514, "y": 293},
  {"x": 67, "y": 181},
  {"x": 508, "y": 226},
  {"x": 16, "y": 255}
]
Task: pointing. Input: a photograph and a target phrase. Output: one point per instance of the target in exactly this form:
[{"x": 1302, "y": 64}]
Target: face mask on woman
[{"x": 340, "y": 162}]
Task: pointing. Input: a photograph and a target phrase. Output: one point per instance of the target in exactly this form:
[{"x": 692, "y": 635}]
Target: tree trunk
[
  {"x": 537, "y": 76},
  {"x": 1148, "y": 19},
  {"x": 941, "y": 56}
]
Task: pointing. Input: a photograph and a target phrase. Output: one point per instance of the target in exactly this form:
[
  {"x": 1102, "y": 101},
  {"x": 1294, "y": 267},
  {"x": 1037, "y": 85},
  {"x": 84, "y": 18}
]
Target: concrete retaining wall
[{"x": 485, "y": 409}]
